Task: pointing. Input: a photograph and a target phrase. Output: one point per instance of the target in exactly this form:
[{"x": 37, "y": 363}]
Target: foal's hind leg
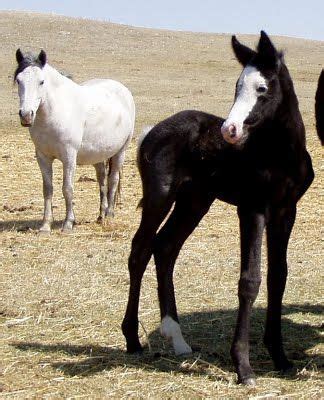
[
  {"x": 278, "y": 232},
  {"x": 142, "y": 248},
  {"x": 251, "y": 229},
  {"x": 186, "y": 215},
  {"x": 101, "y": 171}
]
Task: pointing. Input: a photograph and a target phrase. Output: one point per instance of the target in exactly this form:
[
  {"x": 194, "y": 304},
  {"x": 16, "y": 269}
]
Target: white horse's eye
[
  {"x": 261, "y": 89},
  {"x": 41, "y": 82},
  {"x": 18, "y": 81}
]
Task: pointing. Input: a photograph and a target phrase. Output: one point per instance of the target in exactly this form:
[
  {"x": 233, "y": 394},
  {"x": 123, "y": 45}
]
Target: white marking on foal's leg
[{"x": 171, "y": 330}]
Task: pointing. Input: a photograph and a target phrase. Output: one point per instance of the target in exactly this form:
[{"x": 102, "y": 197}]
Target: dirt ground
[{"x": 62, "y": 297}]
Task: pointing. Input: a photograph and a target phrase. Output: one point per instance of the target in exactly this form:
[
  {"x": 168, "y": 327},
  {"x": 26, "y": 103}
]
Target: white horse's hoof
[
  {"x": 182, "y": 349},
  {"x": 68, "y": 227},
  {"x": 101, "y": 220},
  {"x": 110, "y": 214},
  {"x": 45, "y": 229}
]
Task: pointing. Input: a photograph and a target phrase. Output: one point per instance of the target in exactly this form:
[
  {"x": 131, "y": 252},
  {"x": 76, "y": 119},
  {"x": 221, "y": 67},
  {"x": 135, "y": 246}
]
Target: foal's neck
[{"x": 288, "y": 111}]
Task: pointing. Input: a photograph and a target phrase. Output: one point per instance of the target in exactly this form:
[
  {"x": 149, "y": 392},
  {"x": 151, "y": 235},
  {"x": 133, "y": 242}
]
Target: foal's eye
[
  {"x": 261, "y": 89},
  {"x": 41, "y": 82}
]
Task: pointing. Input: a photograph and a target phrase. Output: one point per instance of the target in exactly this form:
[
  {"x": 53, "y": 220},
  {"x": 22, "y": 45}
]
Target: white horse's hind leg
[
  {"x": 46, "y": 167},
  {"x": 115, "y": 166},
  {"x": 101, "y": 171},
  {"x": 68, "y": 177}
]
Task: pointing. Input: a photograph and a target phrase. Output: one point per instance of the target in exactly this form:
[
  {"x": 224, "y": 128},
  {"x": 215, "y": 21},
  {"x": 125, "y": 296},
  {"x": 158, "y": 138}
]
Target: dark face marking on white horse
[
  {"x": 28, "y": 60},
  {"x": 30, "y": 79}
]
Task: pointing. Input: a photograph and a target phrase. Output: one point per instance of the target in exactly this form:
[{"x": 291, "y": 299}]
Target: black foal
[{"x": 256, "y": 159}]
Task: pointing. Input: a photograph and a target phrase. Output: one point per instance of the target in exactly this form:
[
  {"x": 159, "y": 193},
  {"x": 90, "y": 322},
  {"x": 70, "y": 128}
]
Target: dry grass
[{"x": 62, "y": 297}]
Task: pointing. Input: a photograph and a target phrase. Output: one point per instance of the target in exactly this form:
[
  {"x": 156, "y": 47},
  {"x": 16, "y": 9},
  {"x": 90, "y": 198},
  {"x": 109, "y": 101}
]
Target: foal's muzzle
[
  {"x": 26, "y": 118},
  {"x": 231, "y": 133}
]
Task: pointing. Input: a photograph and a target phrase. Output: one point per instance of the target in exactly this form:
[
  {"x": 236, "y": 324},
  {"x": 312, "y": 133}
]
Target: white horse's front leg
[
  {"x": 68, "y": 177},
  {"x": 46, "y": 166}
]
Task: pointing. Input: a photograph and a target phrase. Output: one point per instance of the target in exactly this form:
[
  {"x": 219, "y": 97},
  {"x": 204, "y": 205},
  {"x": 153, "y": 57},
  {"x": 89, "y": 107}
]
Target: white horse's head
[{"x": 30, "y": 78}]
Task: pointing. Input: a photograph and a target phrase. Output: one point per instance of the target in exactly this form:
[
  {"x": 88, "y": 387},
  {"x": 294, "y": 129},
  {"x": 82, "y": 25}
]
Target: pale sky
[{"x": 298, "y": 18}]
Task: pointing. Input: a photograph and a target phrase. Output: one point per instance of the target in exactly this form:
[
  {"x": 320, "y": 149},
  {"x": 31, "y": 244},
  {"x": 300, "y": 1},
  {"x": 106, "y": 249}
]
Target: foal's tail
[
  {"x": 141, "y": 137},
  {"x": 319, "y": 107}
]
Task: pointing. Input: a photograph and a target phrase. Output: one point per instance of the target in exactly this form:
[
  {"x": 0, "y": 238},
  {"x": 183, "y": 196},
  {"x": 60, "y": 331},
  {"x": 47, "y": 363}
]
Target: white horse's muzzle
[{"x": 26, "y": 118}]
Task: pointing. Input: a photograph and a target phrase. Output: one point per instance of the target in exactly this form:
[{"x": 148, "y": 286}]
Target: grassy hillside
[{"x": 62, "y": 297}]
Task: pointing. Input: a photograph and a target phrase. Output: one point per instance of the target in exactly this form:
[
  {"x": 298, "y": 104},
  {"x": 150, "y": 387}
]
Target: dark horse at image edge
[
  {"x": 319, "y": 107},
  {"x": 257, "y": 160}
]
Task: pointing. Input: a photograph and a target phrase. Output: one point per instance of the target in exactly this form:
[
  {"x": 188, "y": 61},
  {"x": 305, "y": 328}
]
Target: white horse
[{"x": 87, "y": 124}]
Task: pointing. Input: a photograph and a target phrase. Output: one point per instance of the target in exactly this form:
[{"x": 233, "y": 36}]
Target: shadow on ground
[
  {"x": 210, "y": 333},
  {"x": 25, "y": 226}
]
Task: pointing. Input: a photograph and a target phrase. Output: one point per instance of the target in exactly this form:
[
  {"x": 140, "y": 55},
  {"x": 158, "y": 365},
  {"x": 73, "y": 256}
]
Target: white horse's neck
[
  {"x": 55, "y": 78},
  {"x": 55, "y": 81}
]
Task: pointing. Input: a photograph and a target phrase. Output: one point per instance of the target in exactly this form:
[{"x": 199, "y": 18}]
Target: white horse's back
[{"x": 109, "y": 119}]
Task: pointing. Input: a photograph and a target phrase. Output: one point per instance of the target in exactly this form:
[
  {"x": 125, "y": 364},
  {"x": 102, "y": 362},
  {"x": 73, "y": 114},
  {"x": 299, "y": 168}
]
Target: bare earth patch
[{"x": 62, "y": 297}]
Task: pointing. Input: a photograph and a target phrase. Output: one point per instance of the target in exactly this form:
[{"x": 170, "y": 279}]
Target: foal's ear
[
  {"x": 243, "y": 53},
  {"x": 42, "y": 58},
  {"x": 19, "y": 56},
  {"x": 268, "y": 52}
]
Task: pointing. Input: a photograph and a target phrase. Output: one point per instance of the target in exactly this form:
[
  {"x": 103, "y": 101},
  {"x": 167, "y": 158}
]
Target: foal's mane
[{"x": 29, "y": 60}]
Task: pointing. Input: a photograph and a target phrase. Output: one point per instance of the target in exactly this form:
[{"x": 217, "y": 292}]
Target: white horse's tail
[{"x": 119, "y": 188}]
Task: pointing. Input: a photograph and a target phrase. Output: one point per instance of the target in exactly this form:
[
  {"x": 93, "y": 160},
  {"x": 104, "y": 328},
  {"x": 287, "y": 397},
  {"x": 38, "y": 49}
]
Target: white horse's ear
[
  {"x": 42, "y": 58},
  {"x": 19, "y": 56}
]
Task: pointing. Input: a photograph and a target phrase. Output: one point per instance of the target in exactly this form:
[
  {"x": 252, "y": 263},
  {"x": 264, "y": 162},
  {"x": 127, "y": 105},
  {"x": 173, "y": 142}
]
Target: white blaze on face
[
  {"x": 30, "y": 89},
  {"x": 248, "y": 91},
  {"x": 171, "y": 330}
]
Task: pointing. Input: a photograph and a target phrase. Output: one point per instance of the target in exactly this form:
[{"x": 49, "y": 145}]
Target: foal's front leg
[
  {"x": 69, "y": 165},
  {"x": 251, "y": 229},
  {"x": 278, "y": 232},
  {"x": 46, "y": 166}
]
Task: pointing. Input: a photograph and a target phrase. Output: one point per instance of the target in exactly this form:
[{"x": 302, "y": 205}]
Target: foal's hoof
[
  {"x": 247, "y": 381},
  {"x": 288, "y": 369},
  {"x": 285, "y": 367},
  {"x": 134, "y": 348}
]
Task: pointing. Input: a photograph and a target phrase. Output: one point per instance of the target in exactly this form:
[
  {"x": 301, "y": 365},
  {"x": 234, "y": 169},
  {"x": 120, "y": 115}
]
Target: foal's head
[
  {"x": 30, "y": 78},
  {"x": 258, "y": 92}
]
